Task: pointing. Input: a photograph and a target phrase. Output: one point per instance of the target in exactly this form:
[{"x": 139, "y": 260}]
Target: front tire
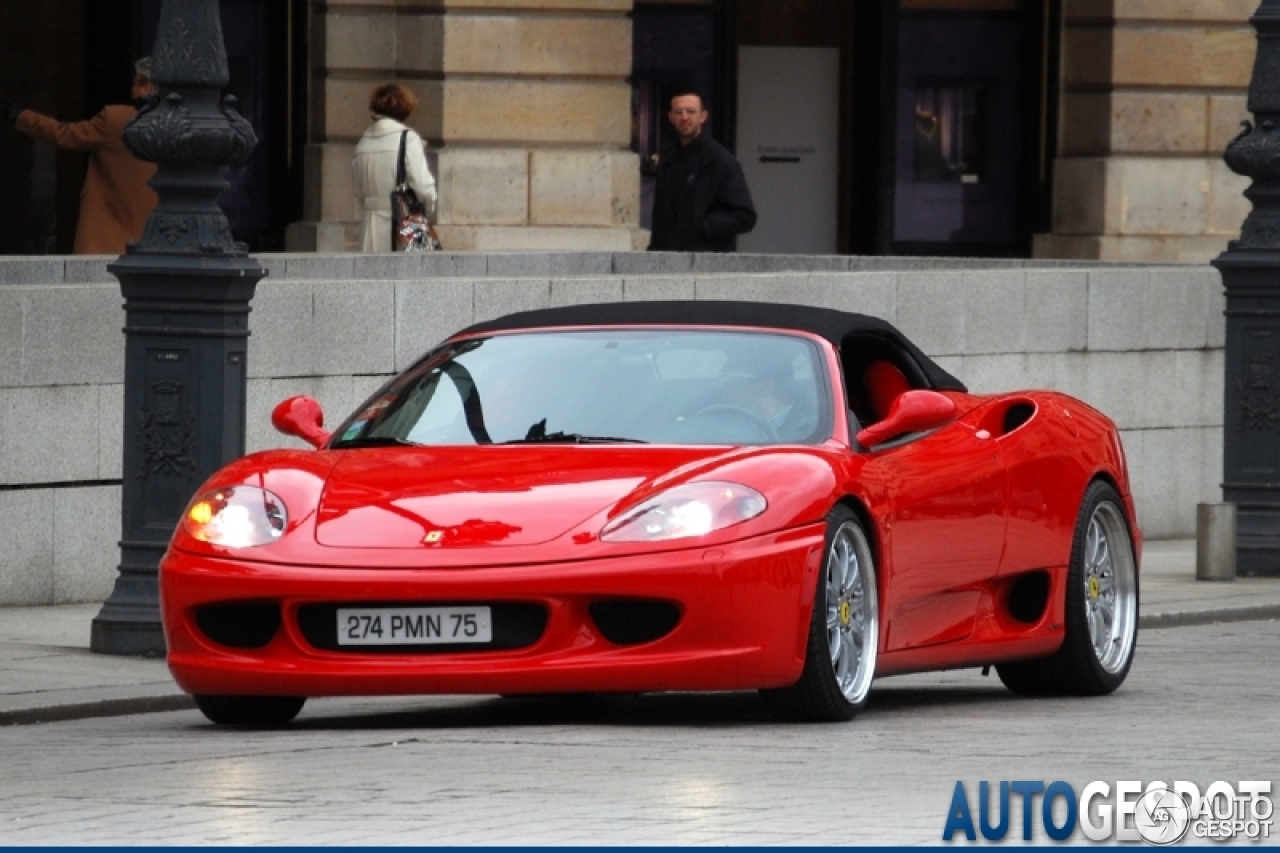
[
  {"x": 844, "y": 632},
  {"x": 256, "y": 712},
  {"x": 1101, "y": 609}
]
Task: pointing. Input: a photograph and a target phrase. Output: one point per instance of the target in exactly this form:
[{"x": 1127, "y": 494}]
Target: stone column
[
  {"x": 524, "y": 103},
  {"x": 1153, "y": 90}
]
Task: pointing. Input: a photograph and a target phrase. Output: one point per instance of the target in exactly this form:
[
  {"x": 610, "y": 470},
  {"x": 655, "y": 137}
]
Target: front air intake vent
[
  {"x": 240, "y": 626},
  {"x": 631, "y": 622}
]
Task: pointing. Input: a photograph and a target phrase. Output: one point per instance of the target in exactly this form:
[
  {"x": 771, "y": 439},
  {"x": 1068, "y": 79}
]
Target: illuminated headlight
[
  {"x": 236, "y": 517},
  {"x": 694, "y": 509}
]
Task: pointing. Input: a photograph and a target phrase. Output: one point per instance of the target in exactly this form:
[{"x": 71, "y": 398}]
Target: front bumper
[{"x": 744, "y": 616}]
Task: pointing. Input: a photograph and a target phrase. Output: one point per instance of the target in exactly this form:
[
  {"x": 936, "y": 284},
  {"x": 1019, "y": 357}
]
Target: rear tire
[
  {"x": 1101, "y": 609},
  {"x": 257, "y": 712},
  {"x": 844, "y": 632}
]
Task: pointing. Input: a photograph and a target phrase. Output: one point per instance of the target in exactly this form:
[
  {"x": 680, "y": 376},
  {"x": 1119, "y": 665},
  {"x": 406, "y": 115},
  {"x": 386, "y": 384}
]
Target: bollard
[{"x": 1216, "y": 542}]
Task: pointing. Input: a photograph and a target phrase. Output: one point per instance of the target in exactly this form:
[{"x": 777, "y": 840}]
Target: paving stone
[
  {"x": 282, "y": 329},
  {"x": 88, "y": 317},
  {"x": 32, "y": 270},
  {"x": 48, "y": 434},
  {"x": 89, "y": 269},
  {"x": 385, "y": 266},
  {"x": 657, "y": 288},
  {"x": 518, "y": 265},
  {"x": 593, "y": 264},
  {"x": 496, "y": 297},
  {"x": 429, "y": 311},
  {"x": 354, "y": 328},
  {"x": 995, "y": 311},
  {"x": 1119, "y": 302},
  {"x": 1057, "y": 310},
  {"x": 1211, "y": 468},
  {"x": 331, "y": 267},
  {"x": 454, "y": 265},
  {"x": 871, "y": 293},
  {"x": 110, "y": 425},
  {"x": 86, "y": 527},
  {"x": 652, "y": 263},
  {"x": 747, "y": 263},
  {"x": 582, "y": 291},
  {"x": 756, "y": 288},
  {"x": 26, "y": 557},
  {"x": 931, "y": 312}
]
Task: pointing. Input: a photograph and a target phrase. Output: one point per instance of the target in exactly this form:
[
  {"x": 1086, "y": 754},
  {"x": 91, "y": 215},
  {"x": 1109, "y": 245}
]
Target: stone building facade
[
  {"x": 1153, "y": 90},
  {"x": 525, "y": 104},
  {"x": 542, "y": 116},
  {"x": 529, "y": 105}
]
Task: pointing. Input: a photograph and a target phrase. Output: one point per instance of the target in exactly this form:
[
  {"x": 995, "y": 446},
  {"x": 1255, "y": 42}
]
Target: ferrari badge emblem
[{"x": 433, "y": 537}]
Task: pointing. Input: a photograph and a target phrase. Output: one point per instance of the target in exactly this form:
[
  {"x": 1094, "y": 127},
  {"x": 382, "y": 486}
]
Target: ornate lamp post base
[
  {"x": 129, "y": 623},
  {"x": 187, "y": 330},
  {"x": 1251, "y": 428}
]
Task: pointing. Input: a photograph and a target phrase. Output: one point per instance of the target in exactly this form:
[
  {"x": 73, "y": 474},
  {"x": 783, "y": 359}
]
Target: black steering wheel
[{"x": 766, "y": 429}]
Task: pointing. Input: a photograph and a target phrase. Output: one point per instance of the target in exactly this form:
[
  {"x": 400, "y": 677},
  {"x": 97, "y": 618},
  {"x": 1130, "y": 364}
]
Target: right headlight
[{"x": 694, "y": 509}]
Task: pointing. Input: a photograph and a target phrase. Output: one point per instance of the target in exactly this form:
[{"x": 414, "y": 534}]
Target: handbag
[{"x": 411, "y": 231}]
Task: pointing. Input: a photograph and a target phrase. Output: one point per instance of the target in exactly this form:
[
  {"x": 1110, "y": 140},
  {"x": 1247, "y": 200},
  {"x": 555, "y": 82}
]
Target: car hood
[{"x": 460, "y": 497}]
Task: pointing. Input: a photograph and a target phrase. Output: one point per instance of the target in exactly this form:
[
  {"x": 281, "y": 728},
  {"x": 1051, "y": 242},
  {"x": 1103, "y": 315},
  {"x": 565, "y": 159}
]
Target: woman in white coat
[{"x": 374, "y": 166}]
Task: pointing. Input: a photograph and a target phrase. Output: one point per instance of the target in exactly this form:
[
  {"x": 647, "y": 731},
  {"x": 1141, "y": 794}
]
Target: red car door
[{"x": 945, "y": 523}]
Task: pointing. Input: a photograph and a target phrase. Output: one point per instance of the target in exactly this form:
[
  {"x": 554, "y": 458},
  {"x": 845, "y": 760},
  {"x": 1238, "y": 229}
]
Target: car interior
[{"x": 876, "y": 371}]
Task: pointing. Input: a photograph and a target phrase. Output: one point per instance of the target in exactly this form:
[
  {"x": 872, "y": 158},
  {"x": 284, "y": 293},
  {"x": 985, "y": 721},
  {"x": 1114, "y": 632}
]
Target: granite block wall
[{"x": 1142, "y": 343}]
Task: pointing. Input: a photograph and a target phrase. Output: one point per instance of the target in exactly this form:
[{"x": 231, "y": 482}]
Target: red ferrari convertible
[{"x": 660, "y": 496}]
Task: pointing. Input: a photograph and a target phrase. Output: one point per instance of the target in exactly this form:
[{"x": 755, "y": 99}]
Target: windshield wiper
[
  {"x": 574, "y": 438},
  {"x": 376, "y": 441}
]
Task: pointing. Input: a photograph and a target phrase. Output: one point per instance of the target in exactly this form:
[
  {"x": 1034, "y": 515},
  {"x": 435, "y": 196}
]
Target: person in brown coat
[{"x": 116, "y": 200}]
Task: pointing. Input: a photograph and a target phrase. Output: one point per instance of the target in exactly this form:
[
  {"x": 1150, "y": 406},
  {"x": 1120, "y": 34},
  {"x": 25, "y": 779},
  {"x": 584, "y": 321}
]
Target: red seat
[{"x": 884, "y": 382}]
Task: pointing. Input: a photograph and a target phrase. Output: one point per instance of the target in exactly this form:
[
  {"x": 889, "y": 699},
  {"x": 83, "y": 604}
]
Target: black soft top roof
[{"x": 828, "y": 323}]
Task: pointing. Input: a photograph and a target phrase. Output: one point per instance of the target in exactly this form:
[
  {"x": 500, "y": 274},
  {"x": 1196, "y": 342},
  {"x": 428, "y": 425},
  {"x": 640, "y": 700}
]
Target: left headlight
[
  {"x": 236, "y": 517},
  {"x": 694, "y": 509}
]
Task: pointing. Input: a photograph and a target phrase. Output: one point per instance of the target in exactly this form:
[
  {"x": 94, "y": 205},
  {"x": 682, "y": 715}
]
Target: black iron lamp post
[
  {"x": 1250, "y": 270},
  {"x": 187, "y": 286}
]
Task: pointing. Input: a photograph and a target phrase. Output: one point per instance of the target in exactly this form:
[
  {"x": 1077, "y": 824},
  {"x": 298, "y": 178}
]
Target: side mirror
[
  {"x": 913, "y": 411},
  {"x": 301, "y": 417}
]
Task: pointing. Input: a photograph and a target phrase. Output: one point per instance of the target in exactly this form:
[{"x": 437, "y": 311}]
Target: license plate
[{"x": 413, "y": 626}]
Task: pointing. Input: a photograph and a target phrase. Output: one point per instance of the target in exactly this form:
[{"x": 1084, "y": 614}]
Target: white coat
[{"x": 374, "y": 172}]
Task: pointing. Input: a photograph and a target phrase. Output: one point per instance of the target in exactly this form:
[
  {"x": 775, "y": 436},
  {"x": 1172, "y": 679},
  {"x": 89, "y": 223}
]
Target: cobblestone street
[{"x": 1200, "y": 705}]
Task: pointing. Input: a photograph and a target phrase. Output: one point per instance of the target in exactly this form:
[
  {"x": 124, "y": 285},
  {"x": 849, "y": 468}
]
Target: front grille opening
[
  {"x": 240, "y": 626},
  {"x": 631, "y": 622},
  {"x": 1028, "y": 597}
]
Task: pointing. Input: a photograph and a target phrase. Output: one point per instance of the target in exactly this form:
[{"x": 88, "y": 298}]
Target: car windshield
[{"x": 604, "y": 386}]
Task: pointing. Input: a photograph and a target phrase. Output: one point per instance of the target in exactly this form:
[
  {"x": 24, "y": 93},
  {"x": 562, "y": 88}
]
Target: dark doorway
[
  {"x": 41, "y": 67},
  {"x": 965, "y": 97},
  {"x": 673, "y": 46},
  {"x": 69, "y": 58}
]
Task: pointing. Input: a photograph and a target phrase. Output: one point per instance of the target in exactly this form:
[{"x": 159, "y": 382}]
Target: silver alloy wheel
[
  {"x": 853, "y": 612},
  {"x": 1110, "y": 587}
]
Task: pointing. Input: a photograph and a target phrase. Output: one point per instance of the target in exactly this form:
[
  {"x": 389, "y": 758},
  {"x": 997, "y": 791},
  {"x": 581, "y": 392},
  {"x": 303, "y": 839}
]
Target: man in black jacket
[{"x": 701, "y": 202}]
